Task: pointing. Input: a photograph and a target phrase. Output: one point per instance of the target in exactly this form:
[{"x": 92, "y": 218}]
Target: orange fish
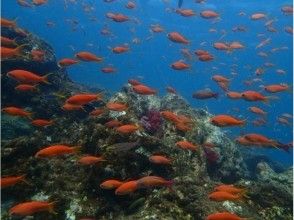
[
  {"x": 220, "y": 196},
  {"x": 108, "y": 69},
  {"x": 234, "y": 95},
  {"x": 113, "y": 123},
  {"x": 70, "y": 107},
  {"x": 83, "y": 98},
  {"x": 144, "y": 90},
  {"x": 11, "y": 180},
  {"x": 243, "y": 141},
  {"x": 236, "y": 45},
  {"x": 38, "y": 55},
  {"x": 8, "y": 23},
  {"x": 56, "y": 150},
  {"x": 185, "y": 12},
  {"x": 209, "y": 14},
  {"x": 254, "y": 96},
  {"x": 88, "y": 57},
  {"x": 259, "y": 139},
  {"x": 116, "y": 106},
  {"x": 30, "y": 208},
  {"x": 12, "y": 52},
  {"x": 42, "y": 122},
  {"x": 156, "y": 28},
  {"x": 97, "y": 112},
  {"x": 257, "y": 16},
  {"x": 257, "y": 110},
  {"x": 127, "y": 129},
  {"x": 224, "y": 216},
  {"x": 39, "y": 2},
  {"x": 17, "y": 112},
  {"x": 111, "y": 184},
  {"x": 230, "y": 189},
  {"x": 221, "y": 46},
  {"x": 134, "y": 82},
  {"x": 205, "y": 57},
  {"x": 183, "y": 127},
  {"x": 26, "y": 88},
  {"x": 219, "y": 78},
  {"x": 277, "y": 88},
  {"x": 90, "y": 160},
  {"x": 8, "y": 42},
  {"x": 153, "y": 181},
  {"x": 117, "y": 17},
  {"x": 120, "y": 49},
  {"x": 170, "y": 116},
  {"x": 226, "y": 120},
  {"x": 177, "y": 38},
  {"x": 130, "y": 5},
  {"x": 67, "y": 62},
  {"x": 180, "y": 65},
  {"x": 127, "y": 188},
  {"x": 27, "y": 77},
  {"x": 158, "y": 159},
  {"x": 186, "y": 145}
]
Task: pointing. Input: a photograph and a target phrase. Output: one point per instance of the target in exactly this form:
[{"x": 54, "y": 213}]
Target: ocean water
[{"x": 150, "y": 59}]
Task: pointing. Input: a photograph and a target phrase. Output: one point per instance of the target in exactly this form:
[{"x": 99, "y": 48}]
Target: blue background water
[{"x": 151, "y": 59}]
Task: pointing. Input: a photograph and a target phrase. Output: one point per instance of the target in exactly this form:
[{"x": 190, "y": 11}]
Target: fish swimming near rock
[{"x": 123, "y": 147}]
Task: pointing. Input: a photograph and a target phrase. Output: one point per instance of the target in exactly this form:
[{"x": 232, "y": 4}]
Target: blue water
[{"x": 150, "y": 60}]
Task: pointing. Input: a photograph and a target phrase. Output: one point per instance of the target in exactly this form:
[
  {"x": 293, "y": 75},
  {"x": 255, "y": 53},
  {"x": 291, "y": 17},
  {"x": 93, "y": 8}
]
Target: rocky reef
[{"x": 75, "y": 188}]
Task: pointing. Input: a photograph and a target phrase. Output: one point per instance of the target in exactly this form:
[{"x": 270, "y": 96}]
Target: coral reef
[{"x": 75, "y": 187}]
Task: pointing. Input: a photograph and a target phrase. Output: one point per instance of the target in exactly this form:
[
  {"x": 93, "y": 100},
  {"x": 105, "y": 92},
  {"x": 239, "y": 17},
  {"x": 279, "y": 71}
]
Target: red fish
[
  {"x": 180, "y": 65},
  {"x": 277, "y": 88},
  {"x": 111, "y": 184},
  {"x": 153, "y": 181},
  {"x": 42, "y": 122},
  {"x": 117, "y": 17},
  {"x": 8, "y": 23},
  {"x": 97, "y": 112},
  {"x": 127, "y": 188},
  {"x": 185, "y": 12},
  {"x": 116, "y": 106},
  {"x": 30, "y": 208},
  {"x": 120, "y": 49},
  {"x": 234, "y": 95},
  {"x": 158, "y": 159},
  {"x": 113, "y": 123},
  {"x": 177, "y": 38},
  {"x": 130, "y": 5},
  {"x": 108, "y": 69},
  {"x": 258, "y": 16},
  {"x": 220, "y": 196},
  {"x": 224, "y": 216},
  {"x": 226, "y": 120},
  {"x": 67, "y": 62},
  {"x": 11, "y": 180},
  {"x": 254, "y": 96},
  {"x": 14, "y": 111},
  {"x": 209, "y": 14},
  {"x": 8, "y": 42},
  {"x": 12, "y": 52},
  {"x": 70, "y": 107},
  {"x": 27, "y": 77},
  {"x": 56, "y": 150},
  {"x": 84, "y": 98},
  {"x": 144, "y": 90},
  {"x": 127, "y": 129},
  {"x": 257, "y": 110},
  {"x": 88, "y": 57},
  {"x": 186, "y": 145},
  {"x": 90, "y": 160},
  {"x": 26, "y": 88}
]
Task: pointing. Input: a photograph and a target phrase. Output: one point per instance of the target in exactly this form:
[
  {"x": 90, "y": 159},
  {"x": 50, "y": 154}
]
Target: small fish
[
  {"x": 205, "y": 94},
  {"x": 56, "y": 150},
  {"x": 208, "y": 14},
  {"x": 113, "y": 123},
  {"x": 30, "y": 208},
  {"x": 230, "y": 189},
  {"x": 153, "y": 181},
  {"x": 257, "y": 110},
  {"x": 120, "y": 49},
  {"x": 87, "y": 57},
  {"x": 26, "y": 88},
  {"x": 127, "y": 188},
  {"x": 180, "y": 65},
  {"x": 177, "y": 38},
  {"x": 42, "y": 122},
  {"x": 90, "y": 160},
  {"x": 187, "y": 145},
  {"x": 234, "y": 95},
  {"x": 67, "y": 62},
  {"x": 14, "y": 111},
  {"x": 258, "y": 16},
  {"x": 108, "y": 69},
  {"x": 116, "y": 106},
  {"x": 24, "y": 76},
  {"x": 83, "y": 98},
  {"x": 226, "y": 121},
  {"x": 111, "y": 184},
  {"x": 224, "y": 216},
  {"x": 8, "y": 23},
  {"x": 11, "y": 180},
  {"x": 277, "y": 88},
  {"x": 158, "y": 159},
  {"x": 144, "y": 90},
  {"x": 97, "y": 112},
  {"x": 220, "y": 196},
  {"x": 70, "y": 107},
  {"x": 7, "y": 52},
  {"x": 127, "y": 129},
  {"x": 117, "y": 17},
  {"x": 123, "y": 147}
]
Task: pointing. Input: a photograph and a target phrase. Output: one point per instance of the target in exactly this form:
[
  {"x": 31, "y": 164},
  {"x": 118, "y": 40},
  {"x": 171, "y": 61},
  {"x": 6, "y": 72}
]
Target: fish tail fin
[
  {"x": 45, "y": 78},
  {"x": 244, "y": 194},
  {"x": 20, "y": 48},
  {"x": 77, "y": 149},
  {"x": 51, "y": 207}
]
